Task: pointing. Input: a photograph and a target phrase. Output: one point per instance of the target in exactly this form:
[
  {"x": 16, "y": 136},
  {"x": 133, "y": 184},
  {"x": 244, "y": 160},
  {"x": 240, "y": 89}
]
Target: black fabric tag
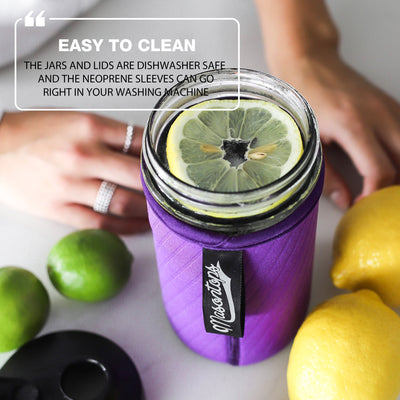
[{"x": 223, "y": 292}]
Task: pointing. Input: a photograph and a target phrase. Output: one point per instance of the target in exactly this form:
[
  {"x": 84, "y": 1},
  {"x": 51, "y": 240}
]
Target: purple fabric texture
[{"x": 277, "y": 268}]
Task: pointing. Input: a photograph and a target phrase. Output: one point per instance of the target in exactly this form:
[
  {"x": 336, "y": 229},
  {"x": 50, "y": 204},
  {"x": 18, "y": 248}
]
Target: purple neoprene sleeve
[{"x": 277, "y": 264}]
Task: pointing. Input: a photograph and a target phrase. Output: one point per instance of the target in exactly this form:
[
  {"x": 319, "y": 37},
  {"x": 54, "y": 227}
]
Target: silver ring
[
  {"x": 128, "y": 138},
  {"x": 104, "y": 197}
]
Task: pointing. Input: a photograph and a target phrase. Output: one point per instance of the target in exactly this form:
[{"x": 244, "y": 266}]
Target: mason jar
[{"x": 235, "y": 268}]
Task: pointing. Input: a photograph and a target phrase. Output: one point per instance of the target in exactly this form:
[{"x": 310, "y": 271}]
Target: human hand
[
  {"x": 353, "y": 113},
  {"x": 302, "y": 48},
  {"x": 52, "y": 165}
]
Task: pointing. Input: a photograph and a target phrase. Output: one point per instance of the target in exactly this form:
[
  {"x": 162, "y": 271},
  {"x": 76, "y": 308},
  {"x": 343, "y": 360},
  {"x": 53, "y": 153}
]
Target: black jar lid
[{"x": 70, "y": 365}]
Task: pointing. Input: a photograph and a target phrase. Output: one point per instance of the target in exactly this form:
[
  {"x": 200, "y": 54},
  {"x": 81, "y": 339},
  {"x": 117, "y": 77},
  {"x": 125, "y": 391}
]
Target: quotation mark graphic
[{"x": 32, "y": 21}]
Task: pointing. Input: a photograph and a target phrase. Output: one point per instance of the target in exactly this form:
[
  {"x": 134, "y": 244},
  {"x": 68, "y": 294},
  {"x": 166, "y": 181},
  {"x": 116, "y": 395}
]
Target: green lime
[
  {"x": 89, "y": 265},
  {"x": 24, "y": 307},
  {"x": 233, "y": 150}
]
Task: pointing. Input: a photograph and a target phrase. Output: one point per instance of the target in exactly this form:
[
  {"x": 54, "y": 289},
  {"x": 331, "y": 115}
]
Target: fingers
[
  {"x": 127, "y": 211},
  {"x": 335, "y": 187},
  {"x": 84, "y": 217},
  {"x": 127, "y": 203},
  {"x": 69, "y": 154},
  {"x": 388, "y": 130},
  {"x": 122, "y": 169},
  {"x": 98, "y": 162},
  {"x": 114, "y": 133},
  {"x": 369, "y": 157},
  {"x": 359, "y": 117},
  {"x": 124, "y": 202},
  {"x": 98, "y": 154}
]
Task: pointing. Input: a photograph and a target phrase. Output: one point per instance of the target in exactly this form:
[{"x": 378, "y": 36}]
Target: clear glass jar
[{"x": 241, "y": 212}]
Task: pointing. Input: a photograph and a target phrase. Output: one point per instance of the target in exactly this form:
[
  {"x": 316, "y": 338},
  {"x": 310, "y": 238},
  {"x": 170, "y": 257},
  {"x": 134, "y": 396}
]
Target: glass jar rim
[{"x": 203, "y": 199}]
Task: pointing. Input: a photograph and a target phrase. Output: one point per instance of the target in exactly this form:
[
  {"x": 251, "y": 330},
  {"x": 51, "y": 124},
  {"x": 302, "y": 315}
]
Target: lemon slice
[{"x": 235, "y": 150}]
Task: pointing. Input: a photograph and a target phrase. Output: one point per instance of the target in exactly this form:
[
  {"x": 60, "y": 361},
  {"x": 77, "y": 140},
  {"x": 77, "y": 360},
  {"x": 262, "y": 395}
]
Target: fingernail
[{"x": 339, "y": 199}]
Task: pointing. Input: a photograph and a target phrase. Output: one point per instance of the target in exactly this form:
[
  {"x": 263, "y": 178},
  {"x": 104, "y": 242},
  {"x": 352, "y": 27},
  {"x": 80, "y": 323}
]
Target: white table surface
[{"x": 135, "y": 319}]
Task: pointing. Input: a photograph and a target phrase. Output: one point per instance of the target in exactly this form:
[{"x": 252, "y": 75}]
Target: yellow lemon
[
  {"x": 216, "y": 147},
  {"x": 24, "y": 307},
  {"x": 366, "y": 248},
  {"x": 348, "y": 348}
]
